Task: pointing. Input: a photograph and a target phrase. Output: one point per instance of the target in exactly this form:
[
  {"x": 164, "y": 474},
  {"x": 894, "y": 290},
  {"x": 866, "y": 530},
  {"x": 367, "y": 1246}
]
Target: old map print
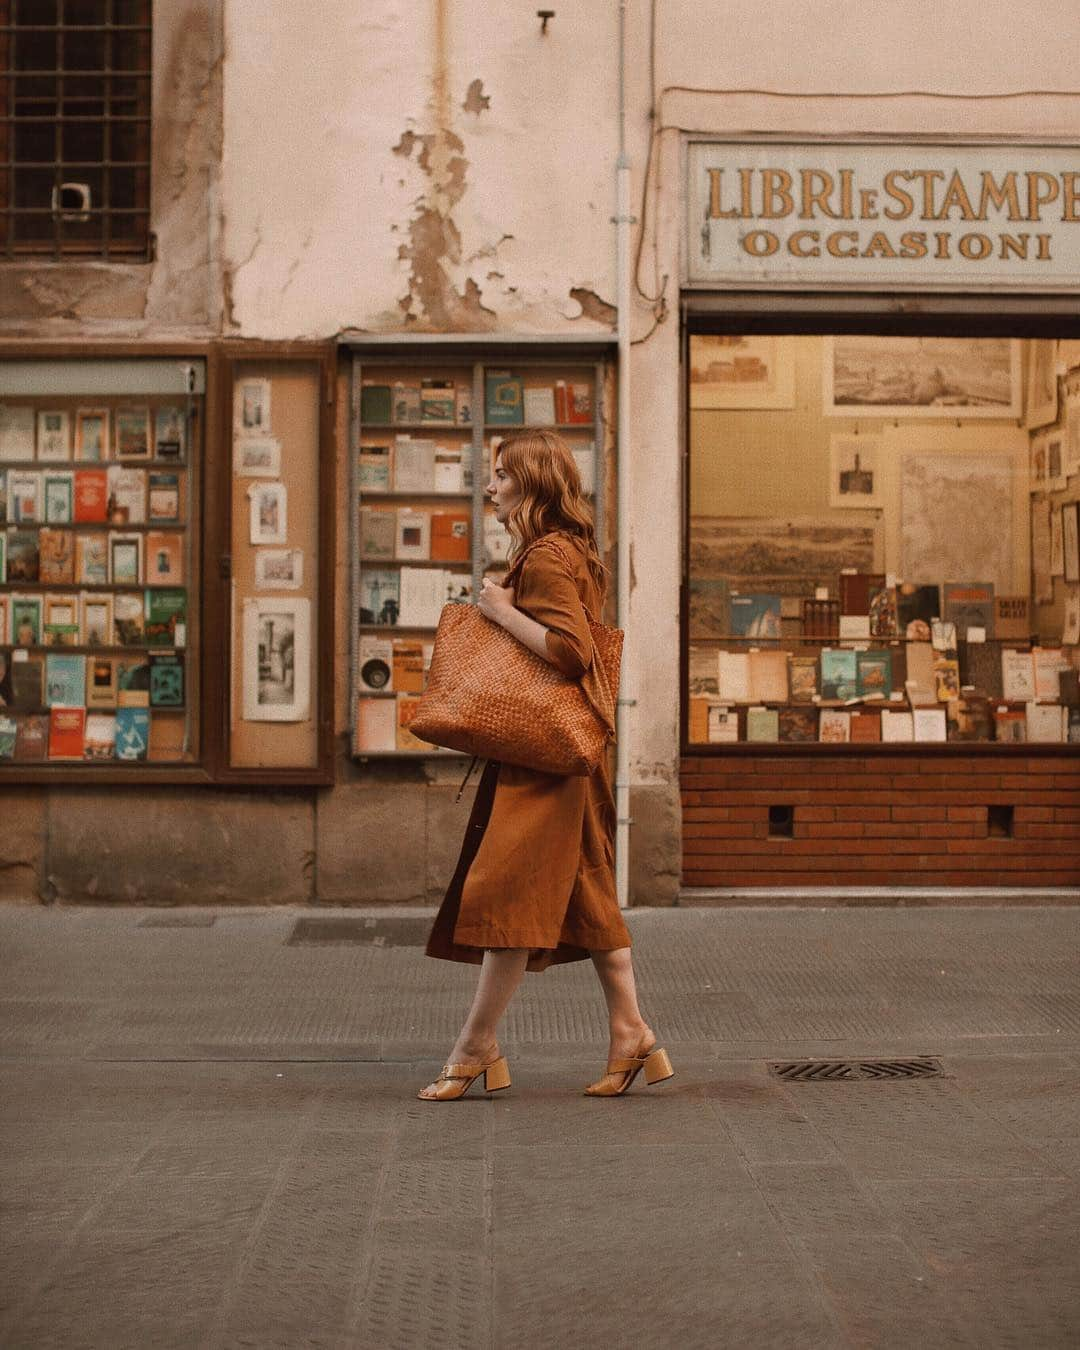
[{"x": 956, "y": 518}]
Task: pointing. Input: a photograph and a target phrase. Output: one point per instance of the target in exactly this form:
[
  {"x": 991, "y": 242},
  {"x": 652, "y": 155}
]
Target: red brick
[
  {"x": 917, "y": 813},
  {"x": 828, "y": 830},
  {"x": 807, "y": 813},
  {"x": 966, "y": 812},
  {"x": 1067, "y": 813},
  {"x": 865, "y": 813},
  {"x": 720, "y": 831},
  {"x": 1033, "y": 813},
  {"x": 1035, "y": 831}
]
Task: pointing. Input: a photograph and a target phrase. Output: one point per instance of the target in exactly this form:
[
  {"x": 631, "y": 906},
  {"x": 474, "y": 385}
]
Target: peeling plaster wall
[{"x": 178, "y": 294}]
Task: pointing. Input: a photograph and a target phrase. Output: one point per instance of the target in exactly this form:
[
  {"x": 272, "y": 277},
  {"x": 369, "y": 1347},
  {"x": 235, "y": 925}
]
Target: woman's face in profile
[{"x": 502, "y": 491}]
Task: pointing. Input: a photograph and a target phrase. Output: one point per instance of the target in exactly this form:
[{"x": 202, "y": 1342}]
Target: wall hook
[{"x": 543, "y": 15}]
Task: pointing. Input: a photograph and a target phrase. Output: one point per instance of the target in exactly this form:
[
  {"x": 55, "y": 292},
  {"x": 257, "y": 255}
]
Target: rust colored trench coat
[{"x": 536, "y": 867}]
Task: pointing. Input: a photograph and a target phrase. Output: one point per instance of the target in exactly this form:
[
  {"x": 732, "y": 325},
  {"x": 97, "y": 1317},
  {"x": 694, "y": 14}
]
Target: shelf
[
  {"x": 72, "y": 465},
  {"x": 93, "y": 708},
  {"x": 367, "y": 494},
  {"x": 155, "y": 525},
  {"x": 69, "y": 587},
  {"x": 97, "y": 649},
  {"x": 382, "y": 563},
  {"x": 590, "y": 425},
  {"x": 773, "y": 642},
  {"x": 367, "y": 427}
]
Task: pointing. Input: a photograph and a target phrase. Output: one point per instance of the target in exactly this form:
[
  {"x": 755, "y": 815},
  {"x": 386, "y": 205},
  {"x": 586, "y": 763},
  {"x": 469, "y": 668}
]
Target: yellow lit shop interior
[{"x": 882, "y": 540}]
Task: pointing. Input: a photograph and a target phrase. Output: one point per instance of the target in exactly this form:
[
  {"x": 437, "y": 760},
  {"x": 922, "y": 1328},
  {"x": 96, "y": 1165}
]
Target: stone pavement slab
[{"x": 209, "y": 1137}]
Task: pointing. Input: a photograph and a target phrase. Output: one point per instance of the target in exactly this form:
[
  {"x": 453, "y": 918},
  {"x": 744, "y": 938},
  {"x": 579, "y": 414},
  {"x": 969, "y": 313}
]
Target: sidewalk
[{"x": 210, "y": 1137}]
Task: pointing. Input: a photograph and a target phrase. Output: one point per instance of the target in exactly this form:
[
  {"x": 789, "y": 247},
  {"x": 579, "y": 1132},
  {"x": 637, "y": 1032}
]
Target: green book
[
  {"x": 166, "y": 612},
  {"x": 762, "y": 724},
  {"x": 873, "y": 673},
  {"x": 375, "y": 403},
  {"x": 166, "y": 680},
  {"x": 838, "y": 673},
  {"x": 503, "y": 398}
]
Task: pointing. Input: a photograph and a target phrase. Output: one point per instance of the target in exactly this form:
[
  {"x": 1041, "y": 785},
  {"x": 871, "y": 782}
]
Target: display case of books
[
  {"x": 99, "y": 572},
  {"x": 426, "y": 423}
]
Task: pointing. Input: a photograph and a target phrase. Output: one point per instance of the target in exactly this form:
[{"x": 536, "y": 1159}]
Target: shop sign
[{"x": 883, "y": 216}]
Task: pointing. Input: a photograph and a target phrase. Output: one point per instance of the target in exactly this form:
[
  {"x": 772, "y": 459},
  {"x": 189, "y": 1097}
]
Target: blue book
[
  {"x": 132, "y": 733},
  {"x": 838, "y": 673},
  {"x": 65, "y": 680},
  {"x": 755, "y": 614}
]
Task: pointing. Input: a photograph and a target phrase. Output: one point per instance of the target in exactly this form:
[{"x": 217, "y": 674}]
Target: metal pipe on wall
[{"x": 622, "y": 484}]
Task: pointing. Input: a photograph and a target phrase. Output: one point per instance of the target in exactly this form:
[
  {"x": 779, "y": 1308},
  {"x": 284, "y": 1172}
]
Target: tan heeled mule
[
  {"x": 620, "y": 1073},
  {"x": 456, "y": 1079}
]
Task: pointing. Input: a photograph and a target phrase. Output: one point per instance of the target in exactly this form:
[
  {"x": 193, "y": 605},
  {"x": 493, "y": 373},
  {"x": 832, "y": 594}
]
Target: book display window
[
  {"x": 881, "y": 541},
  {"x": 424, "y": 431},
  {"x": 99, "y": 564}
]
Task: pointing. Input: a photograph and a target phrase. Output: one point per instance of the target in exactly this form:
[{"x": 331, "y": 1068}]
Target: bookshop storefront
[{"x": 881, "y": 576}]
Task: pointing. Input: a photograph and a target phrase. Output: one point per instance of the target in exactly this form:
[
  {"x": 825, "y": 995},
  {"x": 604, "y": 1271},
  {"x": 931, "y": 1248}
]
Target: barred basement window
[{"x": 75, "y": 129}]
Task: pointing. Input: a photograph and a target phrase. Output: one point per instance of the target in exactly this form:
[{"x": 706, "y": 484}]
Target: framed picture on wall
[
  {"x": 1042, "y": 400},
  {"x": 865, "y": 376},
  {"x": 855, "y": 471},
  {"x": 741, "y": 371},
  {"x": 1070, "y": 529},
  {"x": 276, "y": 659}
]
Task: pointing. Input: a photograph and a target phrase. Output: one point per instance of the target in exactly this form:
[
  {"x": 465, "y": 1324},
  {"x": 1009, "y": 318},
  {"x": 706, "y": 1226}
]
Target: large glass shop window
[{"x": 883, "y": 540}]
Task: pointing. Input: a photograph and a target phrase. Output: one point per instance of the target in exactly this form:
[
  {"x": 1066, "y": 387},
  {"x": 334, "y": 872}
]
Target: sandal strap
[
  {"x": 624, "y": 1065},
  {"x": 466, "y": 1070}
]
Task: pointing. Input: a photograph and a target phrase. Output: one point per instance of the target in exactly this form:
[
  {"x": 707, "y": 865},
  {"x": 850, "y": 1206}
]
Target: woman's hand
[{"x": 496, "y": 602}]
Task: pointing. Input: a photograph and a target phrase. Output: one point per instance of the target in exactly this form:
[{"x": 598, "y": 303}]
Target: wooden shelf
[
  {"x": 95, "y": 525},
  {"x": 67, "y": 587},
  {"x": 367, "y": 427}
]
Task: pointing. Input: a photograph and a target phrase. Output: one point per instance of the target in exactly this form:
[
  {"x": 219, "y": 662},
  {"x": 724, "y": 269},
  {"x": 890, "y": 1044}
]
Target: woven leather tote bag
[{"x": 493, "y": 698}]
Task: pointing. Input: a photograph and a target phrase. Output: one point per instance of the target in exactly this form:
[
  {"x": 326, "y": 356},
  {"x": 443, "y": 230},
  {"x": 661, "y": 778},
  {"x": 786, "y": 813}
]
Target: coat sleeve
[{"x": 548, "y": 592}]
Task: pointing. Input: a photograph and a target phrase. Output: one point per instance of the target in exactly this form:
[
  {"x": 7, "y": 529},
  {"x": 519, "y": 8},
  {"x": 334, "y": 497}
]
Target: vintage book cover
[
  {"x": 463, "y": 404},
  {"x": 32, "y": 737},
  {"x": 99, "y": 742},
  {"x": 969, "y": 717},
  {"x": 27, "y": 615},
  {"x": 25, "y": 505},
  {"x": 165, "y": 608},
  {"x": 1069, "y": 686},
  {"x": 733, "y": 677},
  {"x": 376, "y": 662},
  {"x": 376, "y": 724},
  {"x": 9, "y": 728},
  {"x": 126, "y": 502},
  {"x": 129, "y": 619},
  {"x": 980, "y": 666},
  {"x": 838, "y": 674},
  {"x": 169, "y": 433},
  {"x": 23, "y": 556},
  {"x": 970, "y": 604},
  {"x": 164, "y": 558},
  {"x": 929, "y": 724},
  {"x": 166, "y": 680},
  {"x": 920, "y": 671},
  {"x": 865, "y": 725},
  {"x": 503, "y": 398},
  {"x": 943, "y": 637},
  {"x": 164, "y": 498},
  {"x": 855, "y": 627},
  {"x": 378, "y": 532},
  {"x": 132, "y": 733},
  {"x": 413, "y": 539},
  {"x": 873, "y": 674},
  {"x": 407, "y": 705},
  {"x": 1046, "y": 722},
  {"x": 916, "y": 607},
  {"x": 56, "y": 556},
  {"x": 375, "y": 403},
  {"x": 92, "y": 558},
  {"x": 579, "y": 402},
  {"x": 855, "y": 590},
  {"x": 101, "y": 689},
  {"x": 28, "y": 684},
  {"x": 53, "y": 434},
  {"x": 762, "y": 724},
  {"x": 59, "y": 498},
  {"x": 802, "y": 676},
  {"x": 91, "y": 496},
  {"x": 408, "y": 666},
  {"x": 884, "y": 621},
  {"x": 437, "y": 401},
  {"x": 1010, "y": 724},
  {"x": 380, "y": 595},
  {"x": 1012, "y": 617},
  {"x": 414, "y": 465},
  {"x": 702, "y": 670},
  {"x": 946, "y": 678},
  {"x": 539, "y": 405},
  {"x": 723, "y": 725},
  {"x": 406, "y": 398},
  {"x": 768, "y": 673},
  {"x": 450, "y": 536},
  {"x": 373, "y": 462},
  {"x": 798, "y": 725},
  {"x": 61, "y": 620},
  {"x": 16, "y": 433},
  {"x": 896, "y": 725},
  {"x": 168, "y": 734},
  {"x": 65, "y": 680},
  {"x": 1073, "y": 733},
  {"x": 1048, "y": 662},
  {"x": 457, "y": 587},
  {"x": 422, "y": 596},
  {"x": 755, "y": 614},
  {"x": 66, "y": 728},
  {"x": 132, "y": 433},
  {"x": 1017, "y": 675},
  {"x": 448, "y": 475},
  {"x": 834, "y": 726},
  {"x": 497, "y": 540}
]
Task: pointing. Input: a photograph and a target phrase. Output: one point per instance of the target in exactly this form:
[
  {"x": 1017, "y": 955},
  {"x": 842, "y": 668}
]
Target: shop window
[
  {"x": 882, "y": 542},
  {"x": 75, "y": 128}
]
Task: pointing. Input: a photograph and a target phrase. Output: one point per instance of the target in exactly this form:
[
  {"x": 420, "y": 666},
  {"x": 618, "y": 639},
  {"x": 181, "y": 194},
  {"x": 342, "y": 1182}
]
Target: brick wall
[{"x": 881, "y": 820}]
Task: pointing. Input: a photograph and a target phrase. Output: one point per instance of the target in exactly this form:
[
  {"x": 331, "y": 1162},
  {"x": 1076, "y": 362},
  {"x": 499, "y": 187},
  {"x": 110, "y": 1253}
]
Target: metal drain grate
[
  {"x": 369, "y": 932},
  {"x": 848, "y": 1070}
]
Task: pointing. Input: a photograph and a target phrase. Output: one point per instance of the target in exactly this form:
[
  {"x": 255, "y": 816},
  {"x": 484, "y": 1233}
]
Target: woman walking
[{"x": 534, "y": 885}]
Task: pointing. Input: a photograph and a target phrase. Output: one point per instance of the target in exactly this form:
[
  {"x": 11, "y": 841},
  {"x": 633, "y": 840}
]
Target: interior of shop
[{"x": 882, "y": 540}]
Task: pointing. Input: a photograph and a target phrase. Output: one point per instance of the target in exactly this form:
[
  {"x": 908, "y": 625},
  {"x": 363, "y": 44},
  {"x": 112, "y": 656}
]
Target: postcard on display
[
  {"x": 838, "y": 674},
  {"x": 422, "y": 596},
  {"x": 762, "y": 724},
  {"x": 969, "y": 604},
  {"x": 406, "y": 398},
  {"x": 100, "y": 682},
  {"x": 1046, "y": 722},
  {"x": 437, "y": 401},
  {"x": 125, "y": 559},
  {"x": 16, "y": 433},
  {"x": 268, "y": 513},
  {"x": 1047, "y": 662},
  {"x": 722, "y": 726},
  {"x": 276, "y": 659},
  {"x": 378, "y": 533},
  {"x": 56, "y": 556},
  {"x": 798, "y": 725},
  {"x": 26, "y": 620},
  {"x": 59, "y": 492},
  {"x": 164, "y": 498},
  {"x": 131, "y": 436},
  {"x": 32, "y": 737},
  {"x": 257, "y": 457},
  {"x": 53, "y": 435},
  {"x": 875, "y": 376},
  {"x": 251, "y": 407},
  {"x": 733, "y": 676},
  {"x": 1011, "y": 616},
  {"x": 99, "y": 743},
  {"x": 803, "y": 678},
  {"x": 280, "y": 569},
  {"x": 61, "y": 620},
  {"x": 92, "y": 435},
  {"x": 768, "y": 676},
  {"x": 96, "y": 619},
  {"x": 23, "y": 556},
  {"x": 164, "y": 558},
  {"x": 448, "y": 470},
  {"x": 24, "y": 496},
  {"x": 169, "y": 433},
  {"x": 755, "y": 614}
]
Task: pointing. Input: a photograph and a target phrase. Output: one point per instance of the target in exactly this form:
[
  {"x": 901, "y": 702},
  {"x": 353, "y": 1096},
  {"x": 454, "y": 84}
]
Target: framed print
[
  {"x": 1037, "y": 476},
  {"x": 269, "y": 503},
  {"x": 855, "y": 471},
  {"x": 1055, "y": 460},
  {"x": 59, "y": 489},
  {"x": 251, "y": 407},
  {"x": 92, "y": 435},
  {"x": 276, "y": 659},
  {"x": 279, "y": 569},
  {"x": 1070, "y": 531},
  {"x": 132, "y": 433},
  {"x": 921, "y": 377},
  {"x": 170, "y": 441},
  {"x": 257, "y": 457},
  {"x": 1042, "y": 395},
  {"x": 53, "y": 435},
  {"x": 741, "y": 371},
  {"x": 125, "y": 559}
]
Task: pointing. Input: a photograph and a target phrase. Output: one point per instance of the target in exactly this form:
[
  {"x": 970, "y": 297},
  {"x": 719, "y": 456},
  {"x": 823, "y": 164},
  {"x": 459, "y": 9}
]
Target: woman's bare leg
[
  {"x": 500, "y": 975},
  {"x": 615, "y": 970}
]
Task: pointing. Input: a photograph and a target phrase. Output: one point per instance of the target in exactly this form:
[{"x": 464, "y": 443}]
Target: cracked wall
[{"x": 177, "y": 292}]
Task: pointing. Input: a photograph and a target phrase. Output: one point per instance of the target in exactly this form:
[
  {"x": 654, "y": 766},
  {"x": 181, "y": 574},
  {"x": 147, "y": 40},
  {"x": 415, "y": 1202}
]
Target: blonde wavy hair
[{"x": 541, "y": 464}]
